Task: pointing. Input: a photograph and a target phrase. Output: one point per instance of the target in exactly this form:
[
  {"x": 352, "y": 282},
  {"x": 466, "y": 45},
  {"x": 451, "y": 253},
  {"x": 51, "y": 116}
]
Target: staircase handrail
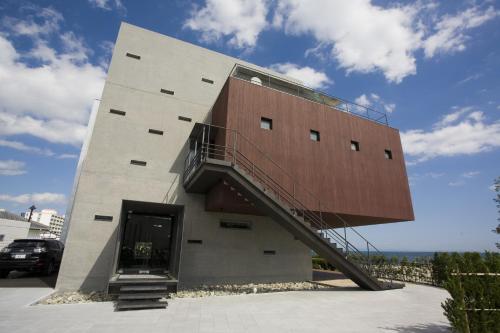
[{"x": 206, "y": 148}]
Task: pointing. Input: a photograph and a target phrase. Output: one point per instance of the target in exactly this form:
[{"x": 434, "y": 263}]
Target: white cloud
[
  {"x": 374, "y": 101},
  {"x": 31, "y": 26},
  {"x": 458, "y": 133},
  {"x": 363, "y": 37},
  {"x": 309, "y": 76},
  {"x": 362, "y": 100},
  {"x": 108, "y": 5},
  {"x": 471, "y": 174},
  {"x": 50, "y": 100},
  {"x": 457, "y": 183},
  {"x": 36, "y": 198},
  {"x": 67, "y": 156},
  {"x": 11, "y": 168},
  {"x": 17, "y": 145},
  {"x": 243, "y": 20},
  {"x": 450, "y": 31}
]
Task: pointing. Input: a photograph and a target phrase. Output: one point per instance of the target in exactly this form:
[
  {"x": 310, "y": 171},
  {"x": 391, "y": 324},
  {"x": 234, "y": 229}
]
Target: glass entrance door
[{"x": 145, "y": 247}]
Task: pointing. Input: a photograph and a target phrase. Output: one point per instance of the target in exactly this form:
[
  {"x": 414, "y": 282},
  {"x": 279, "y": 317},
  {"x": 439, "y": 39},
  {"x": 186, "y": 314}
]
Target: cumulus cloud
[
  {"x": 243, "y": 20},
  {"x": 359, "y": 35},
  {"x": 363, "y": 37},
  {"x": 11, "y": 168},
  {"x": 309, "y": 76},
  {"x": 375, "y": 102},
  {"x": 462, "y": 132},
  {"x": 36, "y": 198},
  {"x": 45, "y": 92}
]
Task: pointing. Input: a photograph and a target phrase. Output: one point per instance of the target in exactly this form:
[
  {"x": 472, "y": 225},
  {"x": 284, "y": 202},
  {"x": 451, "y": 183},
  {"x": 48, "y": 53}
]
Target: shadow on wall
[
  {"x": 178, "y": 169},
  {"x": 420, "y": 328},
  {"x": 95, "y": 280}
]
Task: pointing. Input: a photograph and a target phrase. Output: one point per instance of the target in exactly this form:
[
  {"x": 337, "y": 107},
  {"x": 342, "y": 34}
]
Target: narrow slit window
[
  {"x": 157, "y": 132},
  {"x": 266, "y": 123},
  {"x": 207, "y": 80},
  {"x": 269, "y": 252},
  {"x": 137, "y": 162},
  {"x": 388, "y": 154},
  {"x": 242, "y": 225},
  {"x": 105, "y": 218},
  {"x": 168, "y": 92},
  {"x": 184, "y": 118},
  {"x": 195, "y": 241},
  {"x": 134, "y": 56},
  {"x": 118, "y": 112},
  {"x": 314, "y": 135},
  {"x": 354, "y": 145}
]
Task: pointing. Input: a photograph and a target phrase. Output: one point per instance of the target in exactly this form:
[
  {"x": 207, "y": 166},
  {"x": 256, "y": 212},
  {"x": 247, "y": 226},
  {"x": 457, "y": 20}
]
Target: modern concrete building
[
  {"x": 49, "y": 218},
  {"x": 207, "y": 169}
]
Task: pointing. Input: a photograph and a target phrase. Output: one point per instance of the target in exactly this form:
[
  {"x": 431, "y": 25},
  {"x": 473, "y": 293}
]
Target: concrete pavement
[{"x": 412, "y": 309}]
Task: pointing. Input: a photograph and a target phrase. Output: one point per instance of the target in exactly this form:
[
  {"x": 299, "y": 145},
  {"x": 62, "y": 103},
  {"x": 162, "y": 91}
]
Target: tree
[{"x": 496, "y": 188}]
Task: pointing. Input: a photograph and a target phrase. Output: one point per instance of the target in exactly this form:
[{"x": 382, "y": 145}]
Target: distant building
[
  {"x": 13, "y": 226},
  {"x": 49, "y": 218}
]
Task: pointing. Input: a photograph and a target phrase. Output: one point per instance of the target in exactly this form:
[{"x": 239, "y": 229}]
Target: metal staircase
[{"x": 222, "y": 155}]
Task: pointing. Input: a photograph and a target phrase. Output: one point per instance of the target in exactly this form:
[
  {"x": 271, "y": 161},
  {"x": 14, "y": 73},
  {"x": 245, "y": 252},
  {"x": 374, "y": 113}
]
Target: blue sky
[{"x": 432, "y": 65}]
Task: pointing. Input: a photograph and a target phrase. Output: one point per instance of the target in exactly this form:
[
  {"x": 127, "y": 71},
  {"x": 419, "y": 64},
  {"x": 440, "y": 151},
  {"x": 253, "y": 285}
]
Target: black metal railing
[
  {"x": 214, "y": 142},
  {"x": 266, "y": 80}
]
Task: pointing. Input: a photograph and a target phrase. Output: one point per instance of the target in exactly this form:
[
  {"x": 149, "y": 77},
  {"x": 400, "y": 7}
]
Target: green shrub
[{"x": 473, "y": 297}]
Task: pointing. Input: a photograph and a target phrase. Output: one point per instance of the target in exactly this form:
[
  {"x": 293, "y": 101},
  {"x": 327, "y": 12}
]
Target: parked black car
[{"x": 31, "y": 255}]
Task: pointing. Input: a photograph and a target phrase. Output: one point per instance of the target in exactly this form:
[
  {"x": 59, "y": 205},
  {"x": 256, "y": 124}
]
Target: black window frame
[
  {"x": 316, "y": 133},
  {"x": 355, "y": 144},
  {"x": 264, "y": 120}
]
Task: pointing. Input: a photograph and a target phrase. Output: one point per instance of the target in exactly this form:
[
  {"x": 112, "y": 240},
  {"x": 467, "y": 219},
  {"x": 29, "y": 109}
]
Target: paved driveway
[
  {"x": 412, "y": 309},
  {"x": 28, "y": 280}
]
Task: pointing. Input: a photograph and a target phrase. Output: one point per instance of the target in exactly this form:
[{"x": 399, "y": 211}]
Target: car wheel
[
  {"x": 50, "y": 268},
  {"x": 4, "y": 273}
]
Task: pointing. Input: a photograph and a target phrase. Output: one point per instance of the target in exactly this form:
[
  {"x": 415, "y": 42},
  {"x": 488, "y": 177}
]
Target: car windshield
[{"x": 26, "y": 243}]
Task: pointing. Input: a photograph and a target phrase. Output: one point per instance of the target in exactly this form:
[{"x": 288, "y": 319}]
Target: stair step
[
  {"x": 136, "y": 296},
  {"x": 144, "y": 304},
  {"x": 143, "y": 288}
]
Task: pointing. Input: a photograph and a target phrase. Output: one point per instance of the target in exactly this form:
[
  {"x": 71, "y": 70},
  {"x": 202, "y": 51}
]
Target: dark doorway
[
  {"x": 146, "y": 244},
  {"x": 149, "y": 238}
]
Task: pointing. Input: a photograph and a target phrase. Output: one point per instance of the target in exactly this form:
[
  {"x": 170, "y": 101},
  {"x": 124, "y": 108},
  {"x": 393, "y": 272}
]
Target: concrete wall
[
  {"x": 107, "y": 177},
  {"x": 12, "y": 230}
]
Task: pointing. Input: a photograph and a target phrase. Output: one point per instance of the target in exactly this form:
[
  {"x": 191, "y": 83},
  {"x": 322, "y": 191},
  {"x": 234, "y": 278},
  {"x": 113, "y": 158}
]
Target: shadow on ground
[
  {"x": 420, "y": 328},
  {"x": 28, "y": 280},
  {"x": 321, "y": 275}
]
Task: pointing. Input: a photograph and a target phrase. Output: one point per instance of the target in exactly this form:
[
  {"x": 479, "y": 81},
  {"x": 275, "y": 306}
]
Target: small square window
[
  {"x": 266, "y": 123},
  {"x": 314, "y": 135},
  {"x": 388, "y": 154},
  {"x": 355, "y": 145}
]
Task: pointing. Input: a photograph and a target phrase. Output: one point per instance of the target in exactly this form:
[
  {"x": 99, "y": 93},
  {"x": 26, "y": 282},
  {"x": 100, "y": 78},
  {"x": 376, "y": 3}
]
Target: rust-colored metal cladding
[{"x": 334, "y": 162}]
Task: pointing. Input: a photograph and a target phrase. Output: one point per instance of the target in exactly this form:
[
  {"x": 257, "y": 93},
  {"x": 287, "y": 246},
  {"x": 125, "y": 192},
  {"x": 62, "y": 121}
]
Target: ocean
[{"x": 410, "y": 255}]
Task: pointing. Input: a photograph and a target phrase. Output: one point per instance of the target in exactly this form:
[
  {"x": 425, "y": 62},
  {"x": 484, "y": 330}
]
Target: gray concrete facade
[{"x": 105, "y": 176}]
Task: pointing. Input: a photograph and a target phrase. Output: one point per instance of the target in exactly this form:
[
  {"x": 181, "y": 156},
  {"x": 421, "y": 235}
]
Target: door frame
[{"x": 152, "y": 208}]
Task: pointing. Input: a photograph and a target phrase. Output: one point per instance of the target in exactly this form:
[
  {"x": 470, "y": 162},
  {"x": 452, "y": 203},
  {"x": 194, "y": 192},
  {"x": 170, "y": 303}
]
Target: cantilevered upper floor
[{"x": 336, "y": 157}]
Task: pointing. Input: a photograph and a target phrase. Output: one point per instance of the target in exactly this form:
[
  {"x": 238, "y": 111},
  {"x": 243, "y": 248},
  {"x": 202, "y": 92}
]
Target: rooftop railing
[{"x": 266, "y": 80}]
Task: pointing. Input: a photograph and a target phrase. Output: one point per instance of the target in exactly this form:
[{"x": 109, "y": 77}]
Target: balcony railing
[
  {"x": 266, "y": 80},
  {"x": 218, "y": 143}
]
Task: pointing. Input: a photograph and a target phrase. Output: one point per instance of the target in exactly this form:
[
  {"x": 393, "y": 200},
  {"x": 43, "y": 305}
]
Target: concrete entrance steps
[{"x": 141, "y": 292}]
